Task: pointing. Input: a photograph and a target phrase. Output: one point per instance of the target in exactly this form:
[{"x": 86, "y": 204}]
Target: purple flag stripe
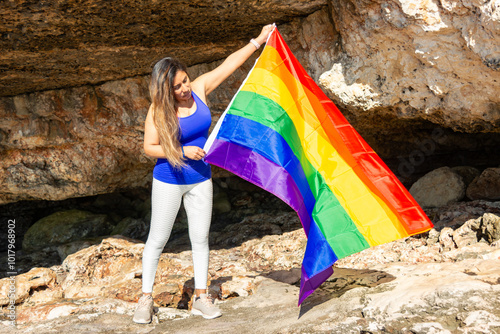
[{"x": 262, "y": 172}]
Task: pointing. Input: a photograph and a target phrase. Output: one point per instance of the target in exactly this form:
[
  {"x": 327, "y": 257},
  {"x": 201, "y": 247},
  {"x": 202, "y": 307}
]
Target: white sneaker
[
  {"x": 144, "y": 311},
  {"x": 204, "y": 306}
]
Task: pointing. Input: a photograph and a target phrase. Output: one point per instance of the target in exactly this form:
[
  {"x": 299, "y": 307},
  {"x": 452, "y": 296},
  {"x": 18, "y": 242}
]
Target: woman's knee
[
  {"x": 198, "y": 242},
  {"x": 155, "y": 244}
]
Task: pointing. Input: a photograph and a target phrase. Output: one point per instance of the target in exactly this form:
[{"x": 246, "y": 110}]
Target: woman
[{"x": 176, "y": 130}]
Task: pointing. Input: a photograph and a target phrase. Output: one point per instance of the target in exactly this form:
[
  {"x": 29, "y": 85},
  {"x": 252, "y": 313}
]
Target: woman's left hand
[
  {"x": 206, "y": 83},
  {"x": 193, "y": 152}
]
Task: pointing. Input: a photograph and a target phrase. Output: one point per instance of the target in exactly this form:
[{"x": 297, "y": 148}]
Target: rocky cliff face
[
  {"x": 67, "y": 143},
  {"x": 436, "y": 61},
  {"x": 414, "y": 77},
  {"x": 409, "y": 68},
  {"x": 87, "y": 140}
]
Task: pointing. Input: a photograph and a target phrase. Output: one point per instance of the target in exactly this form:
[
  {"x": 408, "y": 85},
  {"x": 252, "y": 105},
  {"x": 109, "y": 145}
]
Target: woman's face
[{"x": 181, "y": 87}]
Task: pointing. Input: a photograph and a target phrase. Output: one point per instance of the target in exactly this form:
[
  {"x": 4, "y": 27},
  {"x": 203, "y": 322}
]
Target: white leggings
[{"x": 165, "y": 203}]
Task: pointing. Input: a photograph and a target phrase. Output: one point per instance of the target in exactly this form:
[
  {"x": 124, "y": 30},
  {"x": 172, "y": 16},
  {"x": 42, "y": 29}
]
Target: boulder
[
  {"x": 467, "y": 173},
  {"x": 485, "y": 186},
  {"x": 467, "y": 234},
  {"x": 110, "y": 267},
  {"x": 446, "y": 239},
  {"x": 221, "y": 202},
  {"x": 65, "y": 226},
  {"x": 490, "y": 228},
  {"x": 132, "y": 228},
  {"x": 440, "y": 187},
  {"x": 72, "y": 247},
  {"x": 26, "y": 284},
  {"x": 484, "y": 229}
]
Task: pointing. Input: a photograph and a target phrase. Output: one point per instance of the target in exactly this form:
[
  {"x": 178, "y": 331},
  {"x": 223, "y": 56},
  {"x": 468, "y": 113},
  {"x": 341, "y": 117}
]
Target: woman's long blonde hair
[{"x": 163, "y": 107}]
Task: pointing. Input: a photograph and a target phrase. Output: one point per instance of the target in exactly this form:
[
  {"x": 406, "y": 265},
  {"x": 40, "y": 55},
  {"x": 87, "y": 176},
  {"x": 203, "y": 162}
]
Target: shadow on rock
[{"x": 343, "y": 280}]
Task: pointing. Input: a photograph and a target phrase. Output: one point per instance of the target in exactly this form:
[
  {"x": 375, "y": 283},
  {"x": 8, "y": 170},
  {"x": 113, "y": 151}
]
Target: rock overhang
[{"x": 56, "y": 44}]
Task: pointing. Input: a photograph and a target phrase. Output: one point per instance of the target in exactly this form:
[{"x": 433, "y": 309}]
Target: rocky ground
[{"x": 444, "y": 281}]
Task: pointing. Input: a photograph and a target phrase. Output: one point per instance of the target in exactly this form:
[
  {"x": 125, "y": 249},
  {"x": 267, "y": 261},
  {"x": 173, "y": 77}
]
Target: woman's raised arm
[{"x": 209, "y": 81}]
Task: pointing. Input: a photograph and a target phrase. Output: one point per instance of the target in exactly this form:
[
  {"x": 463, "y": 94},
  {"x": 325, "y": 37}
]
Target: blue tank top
[{"x": 194, "y": 132}]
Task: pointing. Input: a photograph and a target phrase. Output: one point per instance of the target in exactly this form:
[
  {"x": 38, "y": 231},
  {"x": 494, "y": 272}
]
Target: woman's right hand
[
  {"x": 193, "y": 152},
  {"x": 264, "y": 34}
]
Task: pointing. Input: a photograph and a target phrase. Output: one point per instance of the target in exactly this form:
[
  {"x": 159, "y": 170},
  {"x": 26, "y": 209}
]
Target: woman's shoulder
[{"x": 199, "y": 90}]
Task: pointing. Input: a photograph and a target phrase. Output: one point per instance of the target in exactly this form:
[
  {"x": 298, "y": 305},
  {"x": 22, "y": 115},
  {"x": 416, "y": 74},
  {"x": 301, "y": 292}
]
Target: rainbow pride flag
[{"x": 282, "y": 133}]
